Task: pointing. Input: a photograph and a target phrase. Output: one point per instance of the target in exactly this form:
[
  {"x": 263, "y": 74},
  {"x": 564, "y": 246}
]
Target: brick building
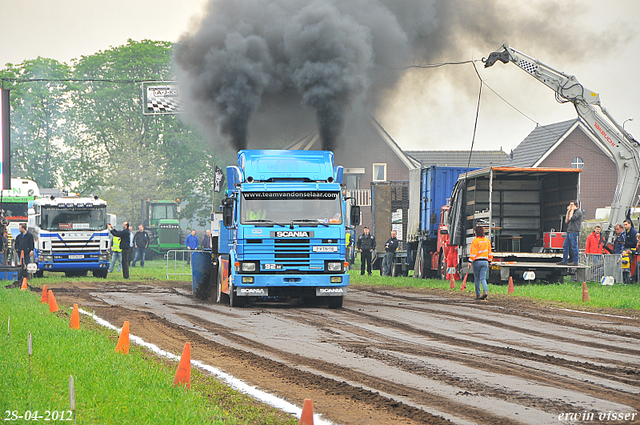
[{"x": 569, "y": 144}]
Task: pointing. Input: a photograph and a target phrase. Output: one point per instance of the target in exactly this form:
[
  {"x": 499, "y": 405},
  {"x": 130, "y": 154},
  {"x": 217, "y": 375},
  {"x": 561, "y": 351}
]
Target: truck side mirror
[
  {"x": 227, "y": 212},
  {"x": 355, "y": 215}
]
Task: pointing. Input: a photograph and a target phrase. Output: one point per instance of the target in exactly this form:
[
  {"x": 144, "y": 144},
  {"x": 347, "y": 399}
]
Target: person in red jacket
[{"x": 595, "y": 242}]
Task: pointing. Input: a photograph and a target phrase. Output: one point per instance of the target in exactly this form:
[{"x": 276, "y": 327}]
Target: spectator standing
[
  {"x": 347, "y": 245},
  {"x": 620, "y": 241},
  {"x": 573, "y": 219},
  {"x": 595, "y": 242},
  {"x": 24, "y": 245},
  {"x": 206, "y": 241},
  {"x": 130, "y": 245},
  {"x": 140, "y": 244},
  {"x": 3, "y": 250},
  {"x": 638, "y": 257},
  {"x": 390, "y": 248},
  {"x": 630, "y": 235},
  {"x": 125, "y": 245},
  {"x": 116, "y": 255},
  {"x": 366, "y": 244},
  {"x": 191, "y": 243},
  {"x": 480, "y": 258}
]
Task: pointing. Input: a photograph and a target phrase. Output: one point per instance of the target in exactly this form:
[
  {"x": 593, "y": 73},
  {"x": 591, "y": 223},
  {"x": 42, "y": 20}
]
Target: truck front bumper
[
  {"x": 68, "y": 266},
  {"x": 263, "y": 285}
]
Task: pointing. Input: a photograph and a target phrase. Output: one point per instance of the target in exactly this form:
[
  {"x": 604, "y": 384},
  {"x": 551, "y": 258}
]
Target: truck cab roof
[{"x": 273, "y": 165}]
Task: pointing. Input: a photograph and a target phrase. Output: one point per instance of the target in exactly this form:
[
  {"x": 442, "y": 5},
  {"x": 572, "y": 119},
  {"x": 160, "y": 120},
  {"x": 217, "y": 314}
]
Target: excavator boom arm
[{"x": 623, "y": 148}]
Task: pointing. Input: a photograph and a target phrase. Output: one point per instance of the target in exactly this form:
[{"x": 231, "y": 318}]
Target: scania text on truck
[
  {"x": 71, "y": 235},
  {"x": 283, "y": 233}
]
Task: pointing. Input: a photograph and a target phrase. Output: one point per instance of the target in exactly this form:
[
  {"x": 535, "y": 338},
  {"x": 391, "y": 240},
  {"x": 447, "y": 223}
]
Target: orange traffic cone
[
  {"x": 585, "y": 293},
  {"x": 463, "y": 287},
  {"x": 24, "y": 284},
  {"x": 183, "y": 374},
  {"x": 75, "y": 318},
  {"x": 123, "y": 341},
  {"x": 306, "y": 418},
  {"x": 44, "y": 299},
  {"x": 511, "y": 289},
  {"x": 53, "y": 305},
  {"x": 452, "y": 281}
]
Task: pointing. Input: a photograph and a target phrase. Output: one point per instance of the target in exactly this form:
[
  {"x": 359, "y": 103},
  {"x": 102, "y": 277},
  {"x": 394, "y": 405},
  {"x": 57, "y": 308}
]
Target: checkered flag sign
[
  {"x": 219, "y": 179},
  {"x": 162, "y": 98}
]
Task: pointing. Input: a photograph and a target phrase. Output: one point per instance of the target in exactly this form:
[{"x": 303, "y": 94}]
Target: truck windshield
[
  {"x": 285, "y": 207},
  {"x": 73, "y": 218},
  {"x": 163, "y": 211},
  {"x": 15, "y": 211}
]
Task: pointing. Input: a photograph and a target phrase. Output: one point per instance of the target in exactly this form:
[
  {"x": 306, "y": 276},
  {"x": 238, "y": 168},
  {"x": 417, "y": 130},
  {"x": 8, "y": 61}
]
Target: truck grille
[
  {"x": 75, "y": 246},
  {"x": 292, "y": 254}
]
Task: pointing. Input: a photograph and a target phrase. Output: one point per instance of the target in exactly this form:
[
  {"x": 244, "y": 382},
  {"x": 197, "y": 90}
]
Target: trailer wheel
[{"x": 335, "y": 302}]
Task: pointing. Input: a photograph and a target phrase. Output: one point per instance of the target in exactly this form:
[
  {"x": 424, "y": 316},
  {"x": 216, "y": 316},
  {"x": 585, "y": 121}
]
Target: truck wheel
[
  {"x": 234, "y": 300},
  {"x": 40, "y": 273},
  {"x": 418, "y": 270},
  {"x": 100, "y": 273},
  {"x": 442, "y": 261},
  {"x": 335, "y": 302}
]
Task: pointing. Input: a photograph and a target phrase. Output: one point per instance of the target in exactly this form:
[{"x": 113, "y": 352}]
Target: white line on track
[{"x": 234, "y": 383}]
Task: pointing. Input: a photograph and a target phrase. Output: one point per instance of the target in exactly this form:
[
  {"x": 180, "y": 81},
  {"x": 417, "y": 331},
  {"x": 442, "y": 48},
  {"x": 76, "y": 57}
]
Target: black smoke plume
[{"x": 275, "y": 62}]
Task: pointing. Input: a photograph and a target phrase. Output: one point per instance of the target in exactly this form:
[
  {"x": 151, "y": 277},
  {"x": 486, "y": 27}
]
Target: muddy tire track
[{"x": 397, "y": 356}]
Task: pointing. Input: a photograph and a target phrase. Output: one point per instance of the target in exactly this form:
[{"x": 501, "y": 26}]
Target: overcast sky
[{"x": 438, "y": 115}]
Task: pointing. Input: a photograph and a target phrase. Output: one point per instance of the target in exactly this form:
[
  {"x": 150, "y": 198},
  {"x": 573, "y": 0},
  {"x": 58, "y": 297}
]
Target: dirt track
[{"x": 393, "y": 356}]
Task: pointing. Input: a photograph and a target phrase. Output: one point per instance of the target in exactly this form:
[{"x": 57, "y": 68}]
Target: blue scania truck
[{"x": 283, "y": 232}]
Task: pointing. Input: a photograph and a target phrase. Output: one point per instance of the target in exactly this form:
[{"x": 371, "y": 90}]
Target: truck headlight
[
  {"x": 248, "y": 267},
  {"x": 47, "y": 258},
  {"x": 334, "y": 266},
  {"x": 103, "y": 257}
]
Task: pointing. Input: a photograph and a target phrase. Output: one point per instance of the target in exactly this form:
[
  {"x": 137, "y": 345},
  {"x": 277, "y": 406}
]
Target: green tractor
[{"x": 160, "y": 219}]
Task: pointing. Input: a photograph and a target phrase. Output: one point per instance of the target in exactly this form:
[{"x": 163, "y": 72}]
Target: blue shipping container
[{"x": 436, "y": 184}]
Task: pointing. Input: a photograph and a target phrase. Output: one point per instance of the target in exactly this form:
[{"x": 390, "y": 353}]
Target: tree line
[{"x": 79, "y": 126}]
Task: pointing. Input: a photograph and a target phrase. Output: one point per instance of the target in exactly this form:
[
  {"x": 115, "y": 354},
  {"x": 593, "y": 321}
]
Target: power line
[
  {"x": 475, "y": 124},
  {"x": 438, "y": 65}
]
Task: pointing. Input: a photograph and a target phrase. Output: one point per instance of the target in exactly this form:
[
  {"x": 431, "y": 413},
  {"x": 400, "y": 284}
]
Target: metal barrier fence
[
  {"x": 179, "y": 262},
  {"x": 600, "y": 266}
]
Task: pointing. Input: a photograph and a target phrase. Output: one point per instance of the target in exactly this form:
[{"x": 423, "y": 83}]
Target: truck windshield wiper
[
  {"x": 306, "y": 220},
  {"x": 265, "y": 222}
]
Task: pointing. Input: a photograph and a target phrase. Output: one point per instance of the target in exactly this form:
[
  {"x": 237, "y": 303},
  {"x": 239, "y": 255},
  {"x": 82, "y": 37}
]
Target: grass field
[
  {"x": 618, "y": 296},
  {"x": 110, "y": 388},
  {"x": 137, "y": 388},
  {"x": 154, "y": 269}
]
